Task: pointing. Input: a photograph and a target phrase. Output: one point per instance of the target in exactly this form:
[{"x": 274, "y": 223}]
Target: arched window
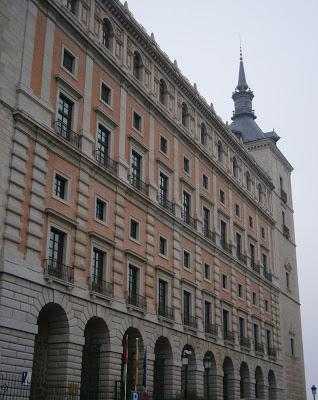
[
  {"x": 220, "y": 151},
  {"x": 163, "y": 92},
  {"x": 137, "y": 66},
  {"x": 204, "y": 135},
  {"x": 235, "y": 167},
  {"x": 185, "y": 115},
  {"x": 260, "y": 193},
  {"x": 72, "y": 5},
  {"x": 108, "y": 34},
  {"x": 248, "y": 181}
]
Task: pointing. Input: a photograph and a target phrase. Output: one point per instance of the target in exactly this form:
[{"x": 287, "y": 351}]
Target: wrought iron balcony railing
[
  {"x": 283, "y": 195},
  {"x": 228, "y": 336},
  {"x": 209, "y": 234},
  {"x": 272, "y": 353},
  {"x": 226, "y": 246},
  {"x": 242, "y": 257},
  {"x": 245, "y": 342},
  {"x": 100, "y": 286},
  {"x": 285, "y": 231},
  {"x": 139, "y": 184},
  {"x": 188, "y": 220},
  {"x": 268, "y": 275},
  {"x": 137, "y": 300},
  {"x": 66, "y": 133},
  {"x": 211, "y": 329},
  {"x": 106, "y": 162},
  {"x": 165, "y": 203},
  {"x": 59, "y": 270},
  {"x": 191, "y": 321},
  {"x": 259, "y": 347},
  {"x": 165, "y": 312}
]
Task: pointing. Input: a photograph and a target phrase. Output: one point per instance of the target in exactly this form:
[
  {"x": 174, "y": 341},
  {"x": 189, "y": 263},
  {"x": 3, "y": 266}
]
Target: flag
[
  {"x": 144, "y": 370},
  {"x": 125, "y": 362},
  {"x": 136, "y": 364}
]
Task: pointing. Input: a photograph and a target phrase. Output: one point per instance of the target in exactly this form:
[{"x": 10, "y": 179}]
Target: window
[
  {"x": 57, "y": 245},
  {"x": 264, "y": 257},
  {"x": 250, "y": 222},
  {"x": 163, "y": 246},
  {"x": 263, "y": 232},
  {"x": 238, "y": 245},
  {"x": 226, "y": 321},
  {"x": 252, "y": 254},
  {"x": 222, "y": 196},
  {"x": 135, "y": 169},
  {"x": 241, "y": 328},
  {"x": 106, "y": 94},
  {"x": 102, "y": 146},
  {"x": 207, "y": 271},
  {"x": 162, "y": 297},
  {"x": 235, "y": 167},
  {"x": 163, "y": 145},
  {"x": 223, "y": 234},
  {"x": 266, "y": 306},
  {"x": 107, "y": 34},
  {"x": 240, "y": 291},
  {"x": 163, "y": 188},
  {"x": 134, "y": 229},
  {"x": 260, "y": 193},
  {"x": 71, "y": 5},
  {"x": 133, "y": 285},
  {"x": 205, "y": 182},
  {"x": 98, "y": 266},
  {"x": 254, "y": 299},
  {"x": 287, "y": 281},
  {"x": 248, "y": 181},
  {"x": 207, "y": 314},
  {"x": 292, "y": 346},
  {"x": 237, "y": 210},
  {"x": 60, "y": 187},
  {"x": 186, "y": 306},
  {"x": 224, "y": 282},
  {"x": 100, "y": 210},
  {"x": 186, "y": 205},
  {"x": 68, "y": 61},
  {"x": 65, "y": 116},
  {"x": 185, "y": 115},
  {"x": 163, "y": 92},
  {"x": 204, "y": 136},
  {"x": 256, "y": 334},
  {"x": 186, "y": 165},
  {"x": 137, "y": 122},
  {"x": 186, "y": 259},
  {"x": 268, "y": 340},
  {"x": 137, "y": 66},
  {"x": 206, "y": 221}
]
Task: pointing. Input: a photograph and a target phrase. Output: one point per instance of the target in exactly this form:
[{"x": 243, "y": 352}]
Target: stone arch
[
  {"x": 188, "y": 371},
  {"x": 134, "y": 377},
  {"x": 95, "y": 359},
  {"x": 228, "y": 379},
  {"x": 245, "y": 381},
  {"x": 210, "y": 377},
  {"x": 51, "y": 347},
  {"x": 272, "y": 386},
  {"x": 259, "y": 383},
  {"x": 163, "y": 369}
]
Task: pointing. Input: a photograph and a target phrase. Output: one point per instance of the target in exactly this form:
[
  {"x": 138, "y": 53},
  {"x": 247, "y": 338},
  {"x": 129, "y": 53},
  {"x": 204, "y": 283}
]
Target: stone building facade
[{"x": 129, "y": 208}]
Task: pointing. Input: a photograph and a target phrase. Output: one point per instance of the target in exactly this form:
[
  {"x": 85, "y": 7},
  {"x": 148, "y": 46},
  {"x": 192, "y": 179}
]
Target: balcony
[
  {"x": 136, "y": 300},
  {"x": 188, "y": 220},
  {"x": 272, "y": 353},
  {"x": 242, "y": 257},
  {"x": 226, "y": 246},
  {"x": 268, "y": 275},
  {"x": 165, "y": 203},
  {"x": 66, "y": 133},
  {"x": 259, "y": 347},
  {"x": 138, "y": 184},
  {"x": 255, "y": 267},
  {"x": 56, "y": 269},
  {"x": 100, "y": 286},
  {"x": 190, "y": 321},
  {"x": 283, "y": 196},
  {"x": 285, "y": 231},
  {"x": 209, "y": 234},
  {"x": 229, "y": 337},
  {"x": 106, "y": 162},
  {"x": 165, "y": 312},
  {"x": 211, "y": 329},
  {"x": 245, "y": 342}
]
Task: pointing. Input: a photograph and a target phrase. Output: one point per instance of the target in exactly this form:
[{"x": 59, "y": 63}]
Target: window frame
[
  {"x": 226, "y": 281},
  {"x": 186, "y": 159},
  {"x": 74, "y": 72},
  {"x": 65, "y": 201},
  {"x": 133, "y": 113},
  {"x": 105, "y": 220},
  {"x": 138, "y": 240},
  {"x": 205, "y": 177},
  {"x": 166, "y": 154},
  {"x": 183, "y": 259},
  {"x": 111, "y": 92},
  {"x": 66, "y": 231},
  {"x": 166, "y": 256},
  {"x": 206, "y": 264}
]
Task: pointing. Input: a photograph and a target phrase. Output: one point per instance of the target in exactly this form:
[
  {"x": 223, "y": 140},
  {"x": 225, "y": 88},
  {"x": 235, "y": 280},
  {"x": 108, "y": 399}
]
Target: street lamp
[
  {"x": 313, "y": 391},
  {"x": 185, "y": 361},
  {"x": 207, "y": 363}
]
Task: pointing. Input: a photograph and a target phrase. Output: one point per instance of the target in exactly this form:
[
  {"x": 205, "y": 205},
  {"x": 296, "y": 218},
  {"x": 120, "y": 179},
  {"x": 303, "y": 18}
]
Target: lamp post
[
  {"x": 185, "y": 361},
  {"x": 313, "y": 391},
  {"x": 207, "y": 363}
]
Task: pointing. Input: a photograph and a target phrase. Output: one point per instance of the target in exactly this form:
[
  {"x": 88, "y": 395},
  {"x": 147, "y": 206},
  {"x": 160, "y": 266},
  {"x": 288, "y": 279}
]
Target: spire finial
[{"x": 241, "y": 54}]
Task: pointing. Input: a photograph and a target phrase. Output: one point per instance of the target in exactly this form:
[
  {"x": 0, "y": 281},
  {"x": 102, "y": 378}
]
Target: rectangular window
[
  {"x": 254, "y": 299},
  {"x": 206, "y": 221},
  {"x": 207, "y": 272},
  {"x": 60, "y": 187},
  {"x": 162, "y": 296},
  {"x": 186, "y": 259},
  {"x": 133, "y": 282},
  {"x": 163, "y": 145},
  {"x": 252, "y": 254},
  {"x": 207, "y": 313},
  {"x": 56, "y": 247},
  {"x": 100, "y": 210},
  {"x": 223, "y": 234},
  {"x": 264, "y": 256},
  {"x": 224, "y": 282},
  {"x": 65, "y": 116},
  {"x": 186, "y": 165},
  {"x": 242, "y": 327},
  {"x": 137, "y": 122},
  {"x": 205, "y": 182},
  {"x": 135, "y": 168},
  {"x": 237, "y": 210},
  {"x": 238, "y": 245},
  {"x": 266, "y": 306},
  {"x": 134, "y": 229},
  {"x": 163, "y": 188},
  {"x": 240, "y": 291},
  {"x": 68, "y": 61},
  {"x": 163, "y": 246},
  {"x": 255, "y": 334},
  {"x": 102, "y": 146},
  {"x": 226, "y": 321},
  {"x": 250, "y": 221},
  {"x": 98, "y": 266},
  {"x": 268, "y": 340},
  {"x": 186, "y": 204},
  {"x": 106, "y": 94},
  {"x": 292, "y": 346},
  {"x": 222, "y": 196},
  {"x": 186, "y": 306},
  {"x": 71, "y": 5},
  {"x": 263, "y": 232}
]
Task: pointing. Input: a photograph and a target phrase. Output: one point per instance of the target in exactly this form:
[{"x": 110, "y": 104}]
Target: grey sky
[{"x": 280, "y": 50}]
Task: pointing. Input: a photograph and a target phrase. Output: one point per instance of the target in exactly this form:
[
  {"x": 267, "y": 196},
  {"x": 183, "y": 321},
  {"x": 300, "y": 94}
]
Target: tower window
[
  {"x": 137, "y": 66},
  {"x": 185, "y": 115},
  {"x": 108, "y": 34}
]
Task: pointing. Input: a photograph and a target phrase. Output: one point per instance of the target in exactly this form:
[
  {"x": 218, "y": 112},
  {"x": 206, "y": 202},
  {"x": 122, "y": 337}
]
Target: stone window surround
[
  {"x": 166, "y": 256},
  {"x": 102, "y": 121},
  {"x": 105, "y": 221},
  {"x": 110, "y": 104},
  {"x": 105, "y": 249},
  {"x": 67, "y": 200},
  {"x": 138, "y": 240},
  {"x": 64, "y": 227},
  {"x": 65, "y": 91},
  {"x": 76, "y": 62}
]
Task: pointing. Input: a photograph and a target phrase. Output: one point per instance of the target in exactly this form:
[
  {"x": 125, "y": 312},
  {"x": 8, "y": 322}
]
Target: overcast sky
[{"x": 280, "y": 50}]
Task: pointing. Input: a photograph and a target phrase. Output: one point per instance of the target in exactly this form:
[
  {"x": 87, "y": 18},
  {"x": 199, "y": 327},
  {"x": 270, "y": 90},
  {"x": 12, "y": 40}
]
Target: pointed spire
[{"x": 242, "y": 84}]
